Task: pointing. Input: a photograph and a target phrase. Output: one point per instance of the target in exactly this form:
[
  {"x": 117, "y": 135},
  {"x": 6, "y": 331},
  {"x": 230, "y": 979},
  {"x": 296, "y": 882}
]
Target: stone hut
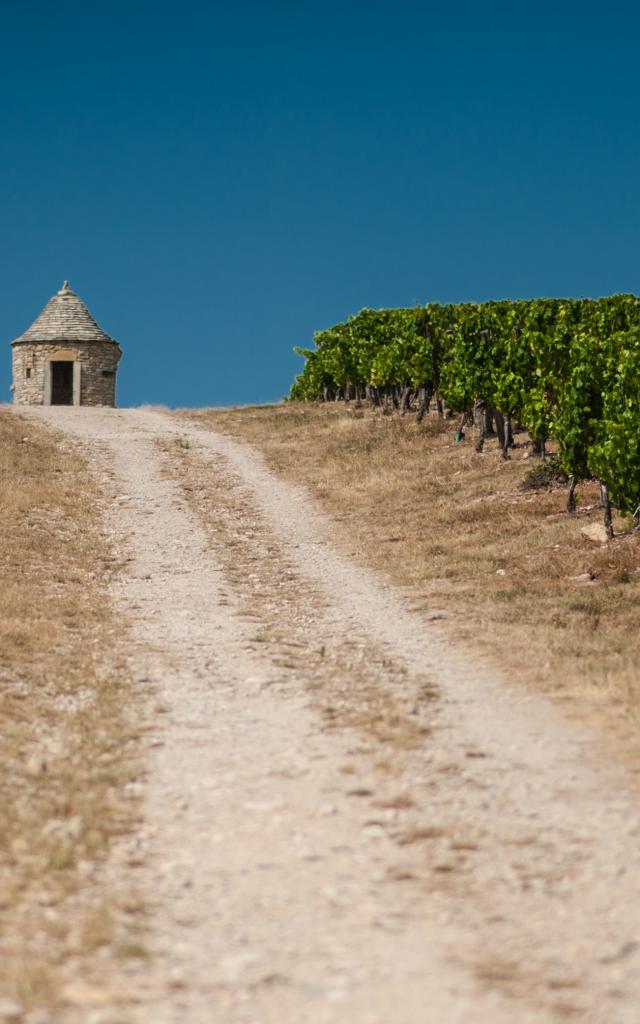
[{"x": 65, "y": 358}]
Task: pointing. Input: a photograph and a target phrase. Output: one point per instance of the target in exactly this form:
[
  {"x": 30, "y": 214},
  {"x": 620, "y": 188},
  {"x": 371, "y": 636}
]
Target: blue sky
[{"x": 218, "y": 181}]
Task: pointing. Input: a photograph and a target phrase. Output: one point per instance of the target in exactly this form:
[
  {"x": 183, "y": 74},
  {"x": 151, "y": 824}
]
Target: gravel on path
[{"x": 279, "y": 896}]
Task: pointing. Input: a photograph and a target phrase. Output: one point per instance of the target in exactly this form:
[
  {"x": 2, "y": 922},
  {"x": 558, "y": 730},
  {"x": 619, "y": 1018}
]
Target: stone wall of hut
[{"x": 98, "y": 364}]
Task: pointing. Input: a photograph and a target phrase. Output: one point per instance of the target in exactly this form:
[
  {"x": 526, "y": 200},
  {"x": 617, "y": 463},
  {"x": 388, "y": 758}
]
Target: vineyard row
[{"x": 564, "y": 369}]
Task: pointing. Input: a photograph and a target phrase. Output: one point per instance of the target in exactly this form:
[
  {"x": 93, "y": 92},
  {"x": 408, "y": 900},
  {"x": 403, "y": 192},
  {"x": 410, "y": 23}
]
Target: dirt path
[{"x": 305, "y": 864}]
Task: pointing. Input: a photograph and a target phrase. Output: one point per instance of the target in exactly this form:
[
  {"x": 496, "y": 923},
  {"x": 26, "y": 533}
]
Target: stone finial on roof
[{"x": 64, "y": 318}]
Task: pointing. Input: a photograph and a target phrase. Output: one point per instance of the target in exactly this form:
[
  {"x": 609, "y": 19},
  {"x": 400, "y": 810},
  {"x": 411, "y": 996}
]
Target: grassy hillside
[{"x": 506, "y": 569}]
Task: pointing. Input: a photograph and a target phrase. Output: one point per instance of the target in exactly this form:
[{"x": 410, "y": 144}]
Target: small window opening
[
  {"x": 108, "y": 373},
  {"x": 28, "y": 372}
]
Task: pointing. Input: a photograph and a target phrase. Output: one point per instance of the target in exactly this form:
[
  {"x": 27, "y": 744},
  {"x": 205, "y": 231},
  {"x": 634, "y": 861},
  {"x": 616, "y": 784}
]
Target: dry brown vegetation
[
  {"x": 455, "y": 529},
  {"x": 66, "y": 741}
]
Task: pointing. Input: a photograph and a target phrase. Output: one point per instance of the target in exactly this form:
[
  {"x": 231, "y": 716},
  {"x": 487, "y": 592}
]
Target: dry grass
[
  {"x": 66, "y": 742},
  {"x": 454, "y": 528}
]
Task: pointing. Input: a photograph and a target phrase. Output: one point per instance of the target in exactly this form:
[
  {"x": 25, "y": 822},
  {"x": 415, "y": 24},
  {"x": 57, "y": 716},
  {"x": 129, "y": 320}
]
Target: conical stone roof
[{"x": 64, "y": 318}]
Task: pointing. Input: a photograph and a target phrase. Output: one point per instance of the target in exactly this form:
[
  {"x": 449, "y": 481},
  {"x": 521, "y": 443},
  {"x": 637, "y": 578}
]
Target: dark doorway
[{"x": 62, "y": 383}]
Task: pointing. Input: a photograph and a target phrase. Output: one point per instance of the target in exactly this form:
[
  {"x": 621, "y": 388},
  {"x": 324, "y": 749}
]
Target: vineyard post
[
  {"x": 508, "y": 436},
  {"x": 480, "y": 423},
  {"x": 571, "y": 495},
  {"x": 424, "y": 400},
  {"x": 606, "y": 504}
]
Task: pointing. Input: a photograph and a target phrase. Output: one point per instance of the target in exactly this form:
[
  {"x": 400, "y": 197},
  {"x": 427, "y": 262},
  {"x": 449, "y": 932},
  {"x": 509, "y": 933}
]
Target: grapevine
[{"x": 565, "y": 369}]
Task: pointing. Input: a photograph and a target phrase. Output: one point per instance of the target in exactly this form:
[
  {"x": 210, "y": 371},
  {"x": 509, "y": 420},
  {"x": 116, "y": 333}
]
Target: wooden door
[{"x": 62, "y": 382}]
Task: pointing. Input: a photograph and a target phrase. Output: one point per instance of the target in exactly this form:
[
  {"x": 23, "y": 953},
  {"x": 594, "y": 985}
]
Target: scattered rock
[
  {"x": 327, "y": 810},
  {"x": 63, "y": 829},
  {"x": 79, "y": 993},
  {"x": 177, "y": 978},
  {"x": 582, "y": 577},
  {"x": 36, "y": 765},
  {"x": 501, "y": 572},
  {"x": 628, "y": 949},
  {"x": 273, "y": 979},
  {"x": 374, "y": 829},
  {"x": 10, "y": 1012},
  {"x": 594, "y": 532}
]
